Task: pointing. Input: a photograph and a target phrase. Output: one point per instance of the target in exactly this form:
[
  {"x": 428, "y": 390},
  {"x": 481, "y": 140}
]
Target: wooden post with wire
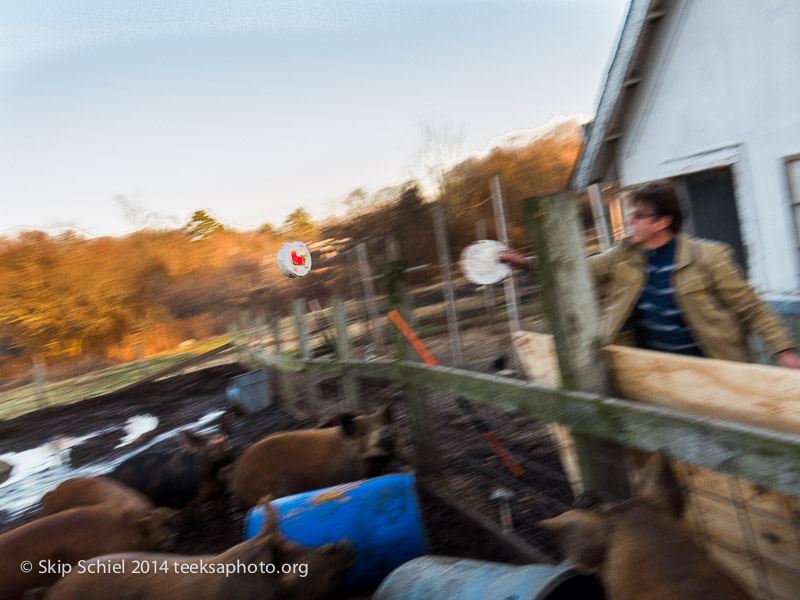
[
  {"x": 572, "y": 312},
  {"x": 312, "y": 388},
  {"x": 502, "y": 235},
  {"x": 284, "y": 384},
  {"x": 348, "y": 382},
  {"x": 447, "y": 284},
  {"x": 422, "y": 430}
]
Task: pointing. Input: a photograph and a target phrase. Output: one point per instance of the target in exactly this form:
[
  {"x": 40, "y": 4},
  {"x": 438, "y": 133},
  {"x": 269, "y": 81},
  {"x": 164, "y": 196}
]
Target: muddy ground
[{"x": 471, "y": 472}]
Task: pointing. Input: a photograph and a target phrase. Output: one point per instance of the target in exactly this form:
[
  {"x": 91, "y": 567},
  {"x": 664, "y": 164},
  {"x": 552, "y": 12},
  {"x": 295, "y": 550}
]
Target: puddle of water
[
  {"x": 137, "y": 426},
  {"x": 39, "y": 470}
]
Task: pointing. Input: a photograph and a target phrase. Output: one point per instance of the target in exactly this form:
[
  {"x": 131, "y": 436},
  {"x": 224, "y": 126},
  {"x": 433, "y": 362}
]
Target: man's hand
[
  {"x": 788, "y": 359},
  {"x": 514, "y": 259}
]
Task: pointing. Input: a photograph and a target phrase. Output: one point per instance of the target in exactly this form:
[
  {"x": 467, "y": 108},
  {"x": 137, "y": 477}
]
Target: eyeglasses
[{"x": 637, "y": 216}]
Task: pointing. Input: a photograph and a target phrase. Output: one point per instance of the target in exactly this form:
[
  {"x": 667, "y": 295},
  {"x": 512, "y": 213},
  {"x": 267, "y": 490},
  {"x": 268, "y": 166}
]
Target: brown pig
[
  {"x": 280, "y": 569},
  {"x": 87, "y": 491},
  {"x": 639, "y": 548},
  {"x": 346, "y": 448},
  {"x": 76, "y": 534}
]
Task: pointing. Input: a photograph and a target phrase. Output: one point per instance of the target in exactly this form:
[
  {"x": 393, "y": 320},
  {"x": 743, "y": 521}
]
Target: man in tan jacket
[{"x": 669, "y": 292}]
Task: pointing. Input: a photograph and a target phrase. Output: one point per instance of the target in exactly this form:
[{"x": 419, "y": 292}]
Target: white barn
[{"x": 707, "y": 93}]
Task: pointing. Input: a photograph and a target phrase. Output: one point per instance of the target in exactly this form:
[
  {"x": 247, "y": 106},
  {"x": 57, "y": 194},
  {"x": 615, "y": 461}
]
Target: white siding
[{"x": 722, "y": 86}]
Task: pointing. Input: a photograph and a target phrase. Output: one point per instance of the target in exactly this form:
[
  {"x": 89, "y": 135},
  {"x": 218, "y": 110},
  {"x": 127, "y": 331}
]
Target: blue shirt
[{"x": 659, "y": 322}]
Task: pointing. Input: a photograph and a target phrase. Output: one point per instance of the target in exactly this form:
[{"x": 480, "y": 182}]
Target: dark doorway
[{"x": 712, "y": 209}]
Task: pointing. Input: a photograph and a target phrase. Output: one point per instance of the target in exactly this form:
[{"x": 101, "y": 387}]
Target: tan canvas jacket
[{"x": 719, "y": 306}]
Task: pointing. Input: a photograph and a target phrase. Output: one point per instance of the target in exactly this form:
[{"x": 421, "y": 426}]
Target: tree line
[{"x": 66, "y": 297}]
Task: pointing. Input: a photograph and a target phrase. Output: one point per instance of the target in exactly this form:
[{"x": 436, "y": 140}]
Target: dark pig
[
  {"x": 345, "y": 448},
  {"x": 639, "y": 548},
  {"x": 185, "y": 478},
  {"x": 295, "y": 572},
  {"x": 50, "y": 543}
]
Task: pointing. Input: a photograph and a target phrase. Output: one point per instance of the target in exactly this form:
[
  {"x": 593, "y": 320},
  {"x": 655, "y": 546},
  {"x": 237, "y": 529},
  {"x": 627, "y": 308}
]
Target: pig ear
[
  {"x": 385, "y": 413},
  {"x": 337, "y": 420},
  {"x": 191, "y": 441},
  {"x": 345, "y": 420},
  {"x": 271, "y": 522},
  {"x": 580, "y": 536},
  {"x": 659, "y": 486}
]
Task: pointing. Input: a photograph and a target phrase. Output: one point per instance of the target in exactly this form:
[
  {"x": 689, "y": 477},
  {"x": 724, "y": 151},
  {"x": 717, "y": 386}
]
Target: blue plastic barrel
[
  {"x": 466, "y": 579},
  {"x": 379, "y": 516}
]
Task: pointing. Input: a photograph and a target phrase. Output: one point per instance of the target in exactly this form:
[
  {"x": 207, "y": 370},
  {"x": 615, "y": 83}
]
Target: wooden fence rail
[{"x": 757, "y": 455}]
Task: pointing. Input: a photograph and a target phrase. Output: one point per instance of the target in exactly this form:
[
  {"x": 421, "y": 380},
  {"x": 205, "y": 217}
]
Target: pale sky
[{"x": 251, "y": 109}]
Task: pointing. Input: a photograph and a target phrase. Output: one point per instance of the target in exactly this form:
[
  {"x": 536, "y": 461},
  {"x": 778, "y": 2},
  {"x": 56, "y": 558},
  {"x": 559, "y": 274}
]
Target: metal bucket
[
  {"x": 250, "y": 391},
  {"x": 379, "y": 516},
  {"x": 466, "y": 579}
]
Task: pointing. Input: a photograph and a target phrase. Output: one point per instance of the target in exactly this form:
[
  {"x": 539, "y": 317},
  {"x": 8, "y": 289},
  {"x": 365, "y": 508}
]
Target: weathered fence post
[
  {"x": 502, "y": 235},
  {"x": 487, "y": 290},
  {"x": 40, "y": 382},
  {"x": 312, "y": 388},
  {"x": 287, "y": 393},
  {"x": 261, "y": 330},
  {"x": 233, "y": 334},
  {"x": 369, "y": 295},
  {"x": 447, "y": 283},
  {"x": 348, "y": 382},
  {"x": 422, "y": 431},
  {"x": 572, "y": 312}
]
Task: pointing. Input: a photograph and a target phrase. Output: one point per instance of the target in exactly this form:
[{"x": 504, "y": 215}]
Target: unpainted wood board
[
  {"x": 758, "y": 395},
  {"x": 536, "y": 355},
  {"x": 752, "y": 394}
]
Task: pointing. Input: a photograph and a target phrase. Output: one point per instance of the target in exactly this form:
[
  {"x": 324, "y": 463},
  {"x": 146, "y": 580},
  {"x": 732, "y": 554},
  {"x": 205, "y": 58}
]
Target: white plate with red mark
[
  {"x": 294, "y": 259},
  {"x": 480, "y": 262}
]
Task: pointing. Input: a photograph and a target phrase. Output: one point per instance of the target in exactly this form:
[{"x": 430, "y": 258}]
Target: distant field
[{"x": 25, "y": 398}]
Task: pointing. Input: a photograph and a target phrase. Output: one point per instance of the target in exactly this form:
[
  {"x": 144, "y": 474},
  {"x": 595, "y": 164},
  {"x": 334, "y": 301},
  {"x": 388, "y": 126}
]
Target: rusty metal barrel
[{"x": 467, "y": 579}]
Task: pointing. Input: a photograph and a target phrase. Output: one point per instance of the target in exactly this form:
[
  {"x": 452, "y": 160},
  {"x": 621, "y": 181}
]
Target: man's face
[{"x": 645, "y": 225}]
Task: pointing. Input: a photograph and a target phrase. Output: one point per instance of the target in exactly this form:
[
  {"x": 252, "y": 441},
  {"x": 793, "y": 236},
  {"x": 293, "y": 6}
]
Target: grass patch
[{"x": 27, "y": 398}]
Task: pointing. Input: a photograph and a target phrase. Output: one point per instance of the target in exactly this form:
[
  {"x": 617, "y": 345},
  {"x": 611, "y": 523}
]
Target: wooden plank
[
  {"x": 748, "y": 393},
  {"x": 573, "y": 315},
  {"x": 752, "y": 394},
  {"x": 312, "y": 387},
  {"x": 349, "y": 382},
  {"x": 536, "y": 354}
]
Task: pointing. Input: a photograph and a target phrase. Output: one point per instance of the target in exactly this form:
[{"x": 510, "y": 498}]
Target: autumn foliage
[{"x": 66, "y": 297}]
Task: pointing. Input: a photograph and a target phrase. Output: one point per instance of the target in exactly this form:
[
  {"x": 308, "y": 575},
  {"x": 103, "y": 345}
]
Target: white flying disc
[
  {"x": 480, "y": 262},
  {"x": 294, "y": 259}
]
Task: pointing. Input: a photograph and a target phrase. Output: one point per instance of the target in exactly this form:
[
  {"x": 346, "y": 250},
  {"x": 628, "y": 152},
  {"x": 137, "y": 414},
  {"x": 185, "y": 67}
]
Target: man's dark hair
[{"x": 663, "y": 200}]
